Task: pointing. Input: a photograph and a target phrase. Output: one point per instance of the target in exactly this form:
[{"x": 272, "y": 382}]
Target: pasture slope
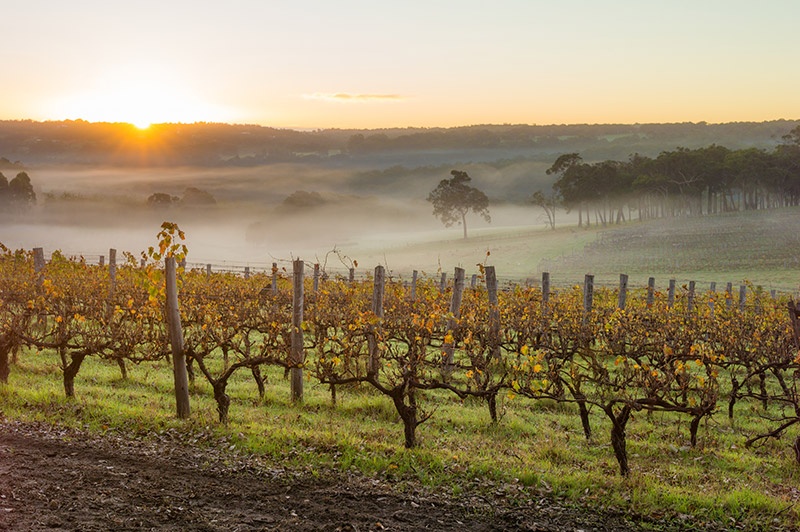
[{"x": 758, "y": 247}]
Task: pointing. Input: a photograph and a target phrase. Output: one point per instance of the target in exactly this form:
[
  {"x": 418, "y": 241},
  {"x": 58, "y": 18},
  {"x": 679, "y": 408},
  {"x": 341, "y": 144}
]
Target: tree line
[
  {"x": 212, "y": 144},
  {"x": 678, "y": 183}
]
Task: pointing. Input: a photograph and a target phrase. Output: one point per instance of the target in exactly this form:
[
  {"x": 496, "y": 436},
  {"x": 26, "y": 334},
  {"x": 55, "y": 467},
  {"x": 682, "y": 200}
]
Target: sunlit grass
[{"x": 537, "y": 449}]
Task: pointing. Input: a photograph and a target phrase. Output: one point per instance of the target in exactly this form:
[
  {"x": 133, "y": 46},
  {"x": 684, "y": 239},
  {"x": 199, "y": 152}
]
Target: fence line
[{"x": 504, "y": 282}]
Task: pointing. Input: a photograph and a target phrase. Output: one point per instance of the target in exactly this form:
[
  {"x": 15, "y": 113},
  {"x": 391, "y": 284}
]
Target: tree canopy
[
  {"x": 453, "y": 199},
  {"x": 18, "y": 192},
  {"x": 679, "y": 182}
]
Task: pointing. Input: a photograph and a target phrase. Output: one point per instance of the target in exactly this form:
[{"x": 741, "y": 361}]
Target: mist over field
[
  {"x": 339, "y": 197},
  {"x": 262, "y": 215}
]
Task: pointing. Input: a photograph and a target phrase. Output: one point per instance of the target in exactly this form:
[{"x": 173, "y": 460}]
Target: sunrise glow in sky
[{"x": 426, "y": 63}]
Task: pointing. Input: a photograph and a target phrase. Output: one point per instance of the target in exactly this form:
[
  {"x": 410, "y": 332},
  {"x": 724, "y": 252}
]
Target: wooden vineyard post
[
  {"x": 794, "y": 316},
  {"x": 452, "y": 323},
  {"x": 742, "y": 297},
  {"x": 623, "y": 290},
  {"x": 414, "y": 276},
  {"x": 316, "y": 277},
  {"x": 208, "y": 272},
  {"x": 494, "y": 311},
  {"x": 728, "y": 296},
  {"x": 274, "y": 277},
  {"x": 38, "y": 265},
  {"x": 112, "y": 289},
  {"x": 588, "y": 295},
  {"x": 247, "y": 272},
  {"x": 671, "y": 294},
  {"x": 112, "y": 275},
  {"x": 545, "y": 291},
  {"x": 377, "y": 309},
  {"x": 690, "y": 297},
  {"x": 443, "y": 282},
  {"x": 142, "y": 263},
  {"x": 176, "y": 340},
  {"x": 713, "y": 295},
  {"x": 651, "y": 291},
  {"x": 297, "y": 353},
  {"x": 473, "y": 283},
  {"x": 352, "y": 274},
  {"x": 102, "y": 261},
  {"x": 38, "y": 270}
]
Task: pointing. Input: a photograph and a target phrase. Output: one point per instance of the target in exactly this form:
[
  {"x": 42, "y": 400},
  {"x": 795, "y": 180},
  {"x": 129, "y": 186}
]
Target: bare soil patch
[{"x": 58, "y": 479}]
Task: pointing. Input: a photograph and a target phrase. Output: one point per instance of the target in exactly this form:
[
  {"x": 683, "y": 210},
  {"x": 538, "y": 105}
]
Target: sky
[{"x": 311, "y": 64}]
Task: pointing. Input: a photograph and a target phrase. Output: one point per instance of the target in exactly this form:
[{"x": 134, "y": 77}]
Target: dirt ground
[{"x": 56, "y": 479}]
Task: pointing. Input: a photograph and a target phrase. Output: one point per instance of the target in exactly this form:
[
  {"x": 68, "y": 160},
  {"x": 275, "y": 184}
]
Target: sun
[{"x": 140, "y": 97}]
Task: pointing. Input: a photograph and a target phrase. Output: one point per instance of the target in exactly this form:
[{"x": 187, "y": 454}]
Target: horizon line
[{"x": 385, "y": 128}]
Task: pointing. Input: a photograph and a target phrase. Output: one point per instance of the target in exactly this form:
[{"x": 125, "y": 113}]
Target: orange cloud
[{"x": 348, "y": 97}]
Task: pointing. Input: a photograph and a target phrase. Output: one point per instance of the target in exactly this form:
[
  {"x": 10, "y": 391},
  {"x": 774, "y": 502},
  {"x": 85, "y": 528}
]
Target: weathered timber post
[
  {"x": 588, "y": 295},
  {"x": 316, "y": 277},
  {"x": 247, "y": 272},
  {"x": 623, "y": 291},
  {"x": 545, "y": 291},
  {"x": 713, "y": 296},
  {"x": 794, "y": 316},
  {"x": 298, "y": 353},
  {"x": 443, "y": 282},
  {"x": 671, "y": 294},
  {"x": 651, "y": 291},
  {"x": 473, "y": 283},
  {"x": 274, "y": 277},
  {"x": 742, "y": 297},
  {"x": 414, "y": 276},
  {"x": 112, "y": 288},
  {"x": 377, "y": 309},
  {"x": 452, "y": 322},
  {"x": 181, "y": 378},
  {"x": 102, "y": 261},
  {"x": 728, "y": 296},
  {"x": 494, "y": 311},
  {"x": 208, "y": 272},
  {"x": 112, "y": 274},
  {"x": 38, "y": 265},
  {"x": 690, "y": 297},
  {"x": 352, "y": 277}
]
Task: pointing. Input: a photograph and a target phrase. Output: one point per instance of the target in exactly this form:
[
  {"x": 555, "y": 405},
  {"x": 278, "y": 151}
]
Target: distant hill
[{"x": 210, "y": 144}]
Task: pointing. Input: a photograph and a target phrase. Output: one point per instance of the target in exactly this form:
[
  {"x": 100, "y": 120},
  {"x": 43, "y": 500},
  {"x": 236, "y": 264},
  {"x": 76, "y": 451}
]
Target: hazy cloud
[{"x": 348, "y": 97}]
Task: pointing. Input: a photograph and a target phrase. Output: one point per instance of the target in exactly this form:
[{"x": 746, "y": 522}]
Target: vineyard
[{"x": 613, "y": 358}]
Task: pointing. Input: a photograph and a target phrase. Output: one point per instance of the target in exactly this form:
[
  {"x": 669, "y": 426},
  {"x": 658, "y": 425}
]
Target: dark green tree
[
  {"x": 3, "y": 189},
  {"x": 548, "y": 203},
  {"x": 20, "y": 190},
  {"x": 453, "y": 199},
  {"x": 573, "y": 183}
]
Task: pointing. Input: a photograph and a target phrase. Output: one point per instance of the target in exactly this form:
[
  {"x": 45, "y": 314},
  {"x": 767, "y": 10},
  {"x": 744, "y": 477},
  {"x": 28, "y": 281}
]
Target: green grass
[
  {"x": 756, "y": 246},
  {"x": 536, "y": 450}
]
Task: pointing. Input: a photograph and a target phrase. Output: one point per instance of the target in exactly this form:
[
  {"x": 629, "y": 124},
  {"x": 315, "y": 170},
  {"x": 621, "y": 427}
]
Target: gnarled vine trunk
[{"x": 618, "y": 441}]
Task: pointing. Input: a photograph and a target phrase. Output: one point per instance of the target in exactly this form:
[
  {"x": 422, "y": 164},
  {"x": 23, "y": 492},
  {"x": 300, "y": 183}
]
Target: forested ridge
[{"x": 81, "y": 142}]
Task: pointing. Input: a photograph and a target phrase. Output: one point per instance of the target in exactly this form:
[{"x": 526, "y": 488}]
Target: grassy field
[
  {"x": 536, "y": 450},
  {"x": 761, "y": 247}
]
